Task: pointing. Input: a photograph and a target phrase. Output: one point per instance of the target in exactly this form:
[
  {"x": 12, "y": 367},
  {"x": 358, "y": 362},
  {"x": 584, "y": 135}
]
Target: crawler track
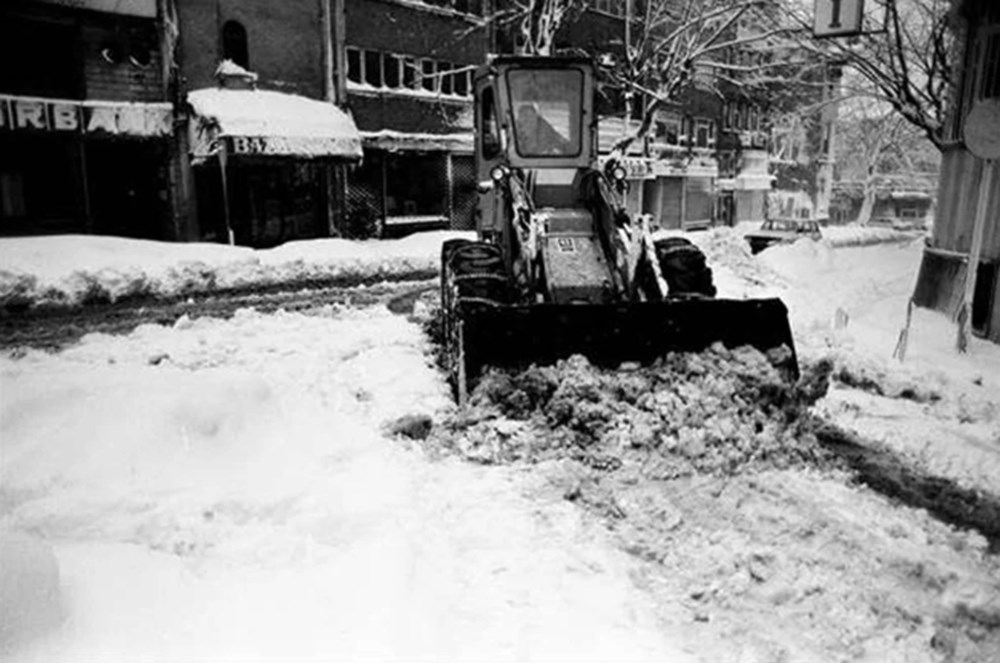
[{"x": 57, "y": 327}]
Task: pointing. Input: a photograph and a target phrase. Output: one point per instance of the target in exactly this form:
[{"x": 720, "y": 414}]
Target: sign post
[{"x": 982, "y": 137}]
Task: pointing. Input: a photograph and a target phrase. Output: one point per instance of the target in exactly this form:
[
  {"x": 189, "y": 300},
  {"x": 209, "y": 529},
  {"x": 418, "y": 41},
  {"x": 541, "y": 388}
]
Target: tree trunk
[{"x": 867, "y": 204}]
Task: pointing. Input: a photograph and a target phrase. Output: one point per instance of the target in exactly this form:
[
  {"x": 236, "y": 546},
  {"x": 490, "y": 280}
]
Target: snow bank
[
  {"x": 71, "y": 270},
  {"x": 846, "y": 235},
  {"x": 853, "y": 235}
]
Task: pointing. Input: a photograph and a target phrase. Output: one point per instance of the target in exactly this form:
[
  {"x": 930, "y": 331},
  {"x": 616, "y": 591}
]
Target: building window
[
  {"x": 462, "y": 6},
  {"x": 411, "y": 74},
  {"x": 669, "y": 130},
  {"x": 391, "y": 65},
  {"x": 373, "y": 68},
  {"x": 354, "y": 65},
  {"x": 234, "y": 43},
  {"x": 447, "y": 78},
  {"x": 428, "y": 79},
  {"x": 399, "y": 72},
  {"x": 614, "y": 7},
  {"x": 462, "y": 83},
  {"x": 704, "y": 133}
]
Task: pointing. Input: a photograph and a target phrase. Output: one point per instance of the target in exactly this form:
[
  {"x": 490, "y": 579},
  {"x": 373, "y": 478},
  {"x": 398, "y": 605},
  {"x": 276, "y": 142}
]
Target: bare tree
[
  {"x": 682, "y": 44},
  {"x": 904, "y": 58},
  {"x": 535, "y": 23},
  {"x": 879, "y": 147}
]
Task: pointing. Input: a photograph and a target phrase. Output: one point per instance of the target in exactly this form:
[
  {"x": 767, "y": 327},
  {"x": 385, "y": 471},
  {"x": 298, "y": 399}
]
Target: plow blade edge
[{"x": 608, "y": 335}]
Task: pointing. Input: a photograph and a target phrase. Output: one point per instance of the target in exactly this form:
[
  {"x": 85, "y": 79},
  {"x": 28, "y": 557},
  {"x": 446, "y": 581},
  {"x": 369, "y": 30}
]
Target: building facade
[
  {"x": 86, "y": 120},
  {"x": 408, "y": 70},
  {"x": 944, "y": 268},
  {"x": 267, "y": 147}
]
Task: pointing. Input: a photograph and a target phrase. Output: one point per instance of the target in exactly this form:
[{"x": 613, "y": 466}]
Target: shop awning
[{"x": 268, "y": 123}]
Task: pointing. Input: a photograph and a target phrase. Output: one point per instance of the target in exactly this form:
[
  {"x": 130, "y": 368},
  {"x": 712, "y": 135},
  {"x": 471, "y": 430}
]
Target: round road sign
[{"x": 982, "y": 129}]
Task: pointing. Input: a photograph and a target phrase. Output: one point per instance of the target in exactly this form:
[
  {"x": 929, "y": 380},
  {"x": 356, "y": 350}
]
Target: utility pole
[
  {"x": 332, "y": 15},
  {"x": 628, "y": 63}
]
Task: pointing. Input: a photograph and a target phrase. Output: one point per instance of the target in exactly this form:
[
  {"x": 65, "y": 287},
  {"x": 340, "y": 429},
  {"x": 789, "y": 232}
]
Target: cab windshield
[{"x": 547, "y": 106}]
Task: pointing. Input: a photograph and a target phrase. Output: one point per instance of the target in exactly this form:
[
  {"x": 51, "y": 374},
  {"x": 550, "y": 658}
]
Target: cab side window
[{"x": 489, "y": 127}]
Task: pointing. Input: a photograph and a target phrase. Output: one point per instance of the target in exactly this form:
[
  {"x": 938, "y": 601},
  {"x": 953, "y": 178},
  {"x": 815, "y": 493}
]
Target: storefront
[
  {"x": 413, "y": 182},
  {"x": 683, "y": 193},
  {"x": 69, "y": 166},
  {"x": 268, "y": 166}
]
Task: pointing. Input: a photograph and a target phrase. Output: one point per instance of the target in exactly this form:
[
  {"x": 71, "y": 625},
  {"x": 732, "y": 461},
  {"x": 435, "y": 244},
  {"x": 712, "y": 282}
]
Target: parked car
[{"x": 782, "y": 231}]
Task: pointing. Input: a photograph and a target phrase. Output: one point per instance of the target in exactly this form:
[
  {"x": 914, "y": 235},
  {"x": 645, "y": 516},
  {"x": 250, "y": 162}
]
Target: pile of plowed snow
[{"x": 718, "y": 411}]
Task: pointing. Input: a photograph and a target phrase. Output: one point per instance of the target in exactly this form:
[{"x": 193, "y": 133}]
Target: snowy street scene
[
  {"x": 469, "y": 330},
  {"x": 242, "y": 487}
]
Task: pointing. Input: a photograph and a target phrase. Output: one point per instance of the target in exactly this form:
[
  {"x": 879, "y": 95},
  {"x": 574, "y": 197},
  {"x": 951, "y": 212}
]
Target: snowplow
[{"x": 559, "y": 267}]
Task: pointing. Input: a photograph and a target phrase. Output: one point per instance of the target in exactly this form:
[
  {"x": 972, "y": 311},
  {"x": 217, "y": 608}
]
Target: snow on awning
[
  {"x": 268, "y": 123},
  {"x": 396, "y": 141}
]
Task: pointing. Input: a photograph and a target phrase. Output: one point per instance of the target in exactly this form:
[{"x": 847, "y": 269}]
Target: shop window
[
  {"x": 428, "y": 80},
  {"x": 234, "y": 43},
  {"x": 373, "y": 68},
  {"x": 354, "y": 73},
  {"x": 416, "y": 184},
  {"x": 390, "y": 70}
]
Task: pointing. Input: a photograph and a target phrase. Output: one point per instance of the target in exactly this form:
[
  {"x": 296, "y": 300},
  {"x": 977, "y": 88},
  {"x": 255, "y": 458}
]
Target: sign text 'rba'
[{"x": 126, "y": 119}]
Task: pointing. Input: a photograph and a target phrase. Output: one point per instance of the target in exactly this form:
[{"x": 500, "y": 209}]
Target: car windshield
[
  {"x": 780, "y": 224},
  {"x": 547, "y": 107}
]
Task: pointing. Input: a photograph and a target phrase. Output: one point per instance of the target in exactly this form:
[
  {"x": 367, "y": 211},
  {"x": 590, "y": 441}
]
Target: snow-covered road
[
  {"x": 225, "y": 490},
  {"x": 222, "y": 490}
]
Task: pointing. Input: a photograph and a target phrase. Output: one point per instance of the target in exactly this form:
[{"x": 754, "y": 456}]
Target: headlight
[
  {"x": 498, "y": 173},
  {"x": 619, "y": 173}
]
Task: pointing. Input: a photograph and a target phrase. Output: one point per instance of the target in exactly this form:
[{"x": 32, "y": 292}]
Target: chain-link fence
[{"x": 463, "y": 192}]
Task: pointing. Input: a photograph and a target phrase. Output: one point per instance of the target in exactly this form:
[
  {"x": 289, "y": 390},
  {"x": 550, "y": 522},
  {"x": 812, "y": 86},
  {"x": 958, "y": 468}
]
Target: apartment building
[{"x": 408, "y": 70}]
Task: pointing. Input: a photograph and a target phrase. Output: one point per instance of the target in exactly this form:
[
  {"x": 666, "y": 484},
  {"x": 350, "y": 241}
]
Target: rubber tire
[
  {"x": 684, "y": 267},
  {"x": 479, "y": 259},
  {"x": 484, "y": 283}
]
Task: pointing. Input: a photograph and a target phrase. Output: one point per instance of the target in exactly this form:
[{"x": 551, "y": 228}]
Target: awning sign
[
  {"x": 288, "y": 145},
  {"x": 56, "y": 115}
]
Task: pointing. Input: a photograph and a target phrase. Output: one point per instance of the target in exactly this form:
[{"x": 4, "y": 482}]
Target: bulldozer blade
[{"x": 608, "y": 335}]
